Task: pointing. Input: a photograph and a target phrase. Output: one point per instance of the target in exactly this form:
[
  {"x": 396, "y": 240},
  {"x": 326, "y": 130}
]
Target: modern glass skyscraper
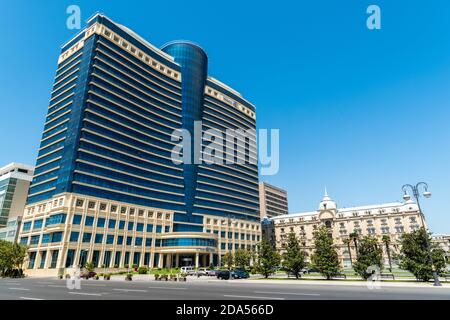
[{"x": 106, "y": 188}]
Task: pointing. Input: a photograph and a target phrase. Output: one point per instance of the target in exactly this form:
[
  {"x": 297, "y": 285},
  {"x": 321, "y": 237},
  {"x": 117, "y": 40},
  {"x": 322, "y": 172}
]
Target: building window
[
  {"x": 120, "y": 240},
  {"x": 112, "y": 223},
  {"x": 74, "y": 235},
  {"x": 98, "y": 238},
  {"x": 87, "y": 237},
  {"x": 45, "y": 238},
  {"x": 110, "y": 239},
  {"x": 100, "y": 222},
  {"x": 130, "y": 226},
  {"x": 76, "y": 219},
  {"x": 399, "y": 229},
  {"x": 34, "y": 240},
  {"x": 89, "y": 222},
  {"x": 37, "y": 224},
  {"x": 32, "y": 259},
  {"x": 55, "y": 219},
  {"x": 138, "y": 241},
  {"x": 70, "y": 258},
  {"x": 54, "y": 258},
  {"x": 26, "y": 226},
  {"x": 140, "y": 227}
]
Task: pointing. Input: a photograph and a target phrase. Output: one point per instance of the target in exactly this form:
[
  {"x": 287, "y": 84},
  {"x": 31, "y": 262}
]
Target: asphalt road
[{"x": 54, "y": 289}]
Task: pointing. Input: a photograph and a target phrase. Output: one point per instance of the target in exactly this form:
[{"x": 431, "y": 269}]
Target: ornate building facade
[{"x": 389, "y": 219}]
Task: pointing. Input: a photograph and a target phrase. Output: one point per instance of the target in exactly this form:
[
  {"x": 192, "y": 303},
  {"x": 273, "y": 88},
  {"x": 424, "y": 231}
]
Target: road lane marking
[
  {"x": 252, "y": 297},
  {"x": 93, "y": 285},
  {"x": 23, "y": 289},
  {"x": 291, "y": 293},
  {"x": 85, "y": 293},
  {"x": 130, "y": 290},
  {"x": 30, "y": 298},
  {"x": 167, "y": 288},
  {"x": 56, "y": 286},
  {"x": 41, "y": 282}
]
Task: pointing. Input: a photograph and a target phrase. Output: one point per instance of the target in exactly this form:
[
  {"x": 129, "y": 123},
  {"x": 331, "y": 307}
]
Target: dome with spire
[{"x": 327, "y": 203}]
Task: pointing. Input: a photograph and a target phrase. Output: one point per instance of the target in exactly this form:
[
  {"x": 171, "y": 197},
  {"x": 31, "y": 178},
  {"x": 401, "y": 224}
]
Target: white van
[{"x": 188, "y": 270}]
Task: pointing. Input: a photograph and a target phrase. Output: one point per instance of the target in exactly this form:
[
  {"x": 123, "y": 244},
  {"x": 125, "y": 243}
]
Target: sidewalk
[
  {"x": 347, "y": 283},
  {"x": 257, "y": 279}
]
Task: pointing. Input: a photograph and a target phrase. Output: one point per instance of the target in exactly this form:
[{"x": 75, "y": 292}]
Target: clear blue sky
[{"x": 361, "y": 112}]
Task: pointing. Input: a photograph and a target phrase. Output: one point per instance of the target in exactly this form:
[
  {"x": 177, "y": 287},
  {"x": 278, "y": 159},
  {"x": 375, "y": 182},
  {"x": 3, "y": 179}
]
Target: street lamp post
[{"x": 426, "y": 194}]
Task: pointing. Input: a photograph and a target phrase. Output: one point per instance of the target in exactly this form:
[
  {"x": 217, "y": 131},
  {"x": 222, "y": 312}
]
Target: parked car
[
  {"x": 202, "y": 272},
  {"x": 239, "y": 274},
  {"x": 189, "y": 270},
  {"x": 223, "y": 274},
  {"x": 212, "y": 273},
  {"x": 309, "y": 270}
]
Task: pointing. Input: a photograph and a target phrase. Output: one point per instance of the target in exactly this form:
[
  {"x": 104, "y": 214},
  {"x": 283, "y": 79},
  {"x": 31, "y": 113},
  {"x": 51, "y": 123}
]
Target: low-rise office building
[
  {"x": 15, "y": 179},
  {"x": 388, "y": 219},
  {"x": 273, "y": 201}
]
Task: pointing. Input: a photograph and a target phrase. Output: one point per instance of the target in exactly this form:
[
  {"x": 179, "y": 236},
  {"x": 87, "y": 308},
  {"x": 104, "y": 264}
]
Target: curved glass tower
[{"x": 194, "y": 68}]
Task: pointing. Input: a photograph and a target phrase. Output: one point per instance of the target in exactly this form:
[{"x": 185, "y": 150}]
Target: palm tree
[
  {"x": 347, "y": 241},
  {"x": 354, "y": 236},
  {"x": 387, "y": 240}
]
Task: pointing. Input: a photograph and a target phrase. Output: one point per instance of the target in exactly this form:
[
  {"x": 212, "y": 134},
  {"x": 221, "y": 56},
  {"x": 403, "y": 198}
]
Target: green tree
[
  {"x": 325, "y": 258},
  {"x": 369, "y": 254},
  {"x": 387, "y": 241},
  {"x": 242, "y": 258},
  {"x": 293, "y": 257},
  {"x": 268, "y": 259},
  {"x": 347, "y": 242},
  {"x": 12, "y": 256},
  {"x": 354, "y": 236},
  {"x": 89, "y": 266},
  {"x": 228, "y": 259},
  {"x": 415, "y": 257}
]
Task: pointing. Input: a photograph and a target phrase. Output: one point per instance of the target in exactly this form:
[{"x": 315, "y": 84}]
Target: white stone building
[{"x": 388, "y": 219}]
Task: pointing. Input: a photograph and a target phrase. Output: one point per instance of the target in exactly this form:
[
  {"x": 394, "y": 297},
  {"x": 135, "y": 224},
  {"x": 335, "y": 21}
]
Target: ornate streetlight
[{"x": 416, "y": 193}]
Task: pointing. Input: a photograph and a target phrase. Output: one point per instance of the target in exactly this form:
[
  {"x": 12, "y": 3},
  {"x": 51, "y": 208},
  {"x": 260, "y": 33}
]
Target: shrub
[{"x": 142, "y": 270}]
